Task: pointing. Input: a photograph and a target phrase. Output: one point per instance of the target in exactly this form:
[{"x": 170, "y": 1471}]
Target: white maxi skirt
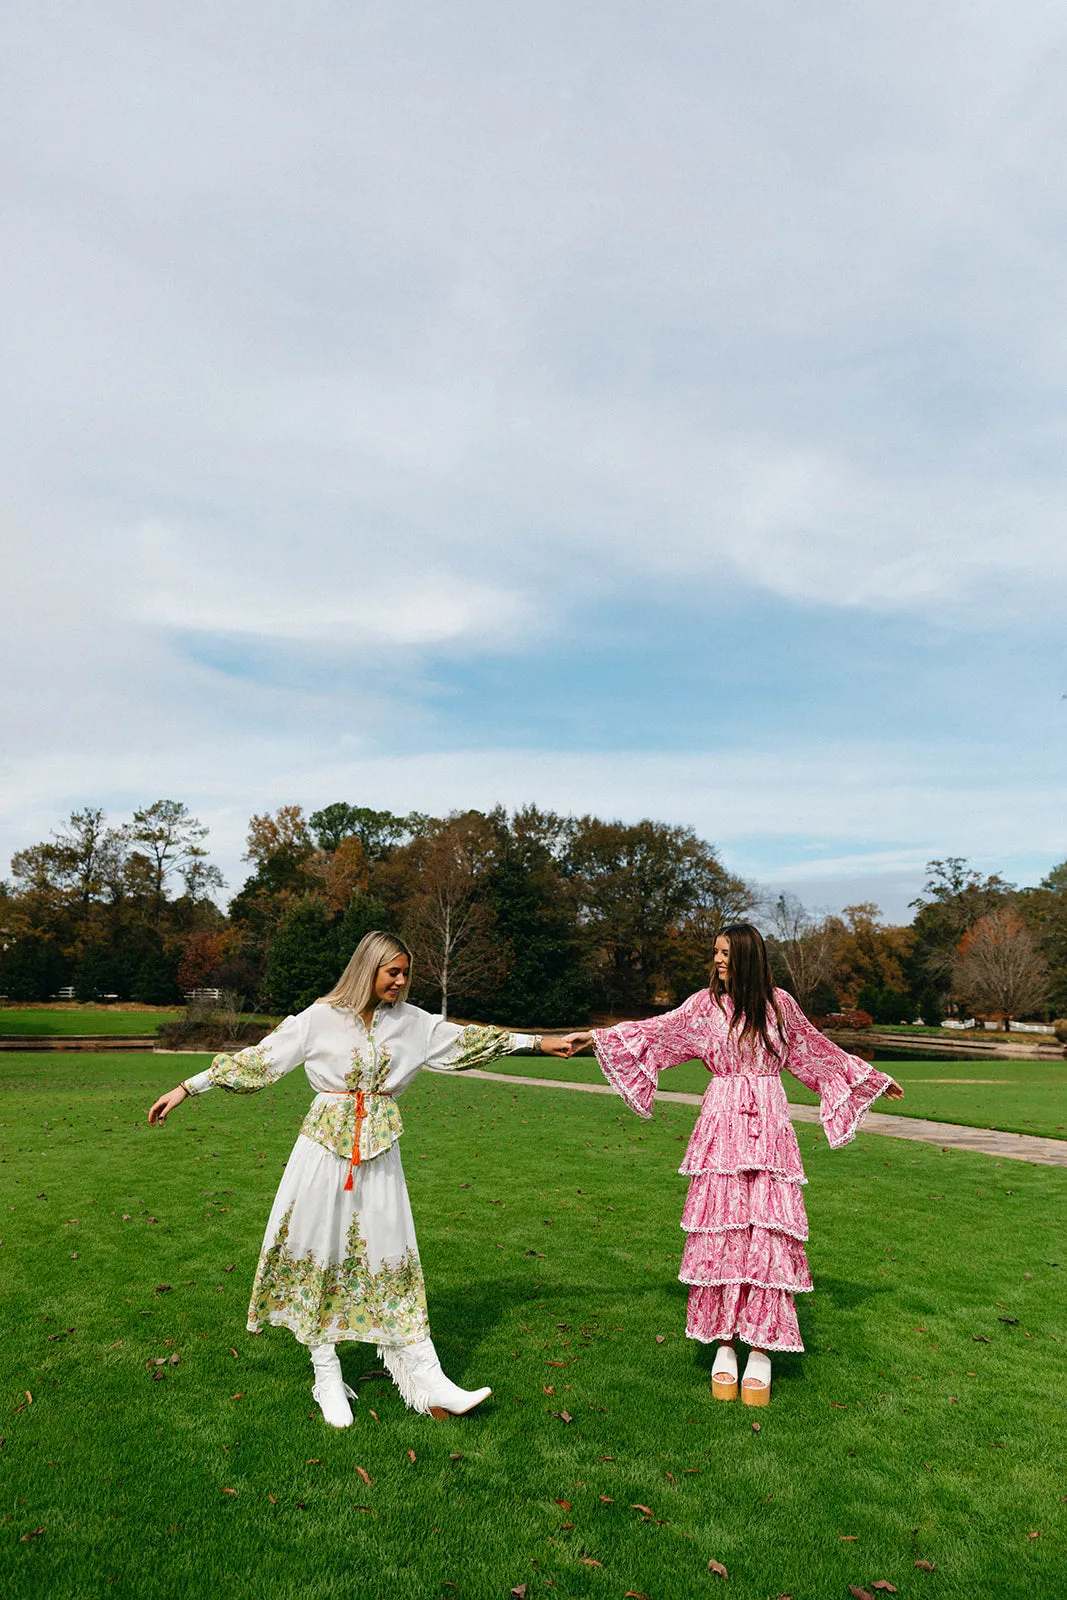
[{"x": 341, "y": 1264}]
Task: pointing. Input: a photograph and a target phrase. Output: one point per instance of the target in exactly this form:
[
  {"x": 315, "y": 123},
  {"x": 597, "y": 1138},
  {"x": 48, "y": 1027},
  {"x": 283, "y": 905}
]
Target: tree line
[{"x": 523, "y": 917}]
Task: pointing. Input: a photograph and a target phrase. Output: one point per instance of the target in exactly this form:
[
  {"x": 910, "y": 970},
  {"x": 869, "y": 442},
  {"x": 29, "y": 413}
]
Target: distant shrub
[
  {"x": 207, "y": 1027},
  {"x": 853, "y": 1020},
  {"x": 1060, "y": 1025}
]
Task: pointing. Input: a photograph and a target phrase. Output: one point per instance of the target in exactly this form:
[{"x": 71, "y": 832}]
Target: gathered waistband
[{"x": 359, "y": 1096}]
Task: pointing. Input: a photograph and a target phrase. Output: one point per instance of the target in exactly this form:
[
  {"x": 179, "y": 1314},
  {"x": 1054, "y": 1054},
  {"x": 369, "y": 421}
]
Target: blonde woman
[{"x": 339, "y": 1258}]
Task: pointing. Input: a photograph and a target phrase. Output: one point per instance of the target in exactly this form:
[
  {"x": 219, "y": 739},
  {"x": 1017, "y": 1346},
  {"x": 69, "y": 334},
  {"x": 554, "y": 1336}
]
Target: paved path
[{"x": 950, "y": 1135}]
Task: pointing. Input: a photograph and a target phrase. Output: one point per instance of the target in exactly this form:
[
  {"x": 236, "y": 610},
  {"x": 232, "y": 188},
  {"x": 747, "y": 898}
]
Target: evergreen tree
[{"x": 302, "y": 964}]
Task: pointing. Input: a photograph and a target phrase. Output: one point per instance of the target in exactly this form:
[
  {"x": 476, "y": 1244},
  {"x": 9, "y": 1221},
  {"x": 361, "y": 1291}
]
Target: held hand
[
  {"x": 555, "y": 1045},
  {"x": 578, "y": 1041},
  {"x": 166, "y": 1104},
  {"x": 894, "y": 1092}
]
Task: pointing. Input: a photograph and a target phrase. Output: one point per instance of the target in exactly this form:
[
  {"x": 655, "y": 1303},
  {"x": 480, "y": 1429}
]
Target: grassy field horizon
[{"x": 923, "y": 1422}]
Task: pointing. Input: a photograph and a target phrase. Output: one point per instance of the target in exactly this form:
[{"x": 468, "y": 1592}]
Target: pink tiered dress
[{"x": 744, "y": 1217}]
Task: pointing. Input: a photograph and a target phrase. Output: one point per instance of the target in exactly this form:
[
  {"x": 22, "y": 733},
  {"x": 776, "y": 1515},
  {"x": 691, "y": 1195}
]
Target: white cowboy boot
[
  {"x": 331, "y": 1392},
  {"x": 416, "y": 1371}
]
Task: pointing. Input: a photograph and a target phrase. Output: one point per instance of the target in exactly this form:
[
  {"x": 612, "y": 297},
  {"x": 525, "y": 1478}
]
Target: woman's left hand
[
  {"x": 894, "y": 1091},
  {"x": 555, "y": 1045}
]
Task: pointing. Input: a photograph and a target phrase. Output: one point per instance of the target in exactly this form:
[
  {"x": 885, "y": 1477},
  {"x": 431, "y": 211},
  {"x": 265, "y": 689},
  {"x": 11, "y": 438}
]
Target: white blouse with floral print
[{"x": 342, "y": 1058}]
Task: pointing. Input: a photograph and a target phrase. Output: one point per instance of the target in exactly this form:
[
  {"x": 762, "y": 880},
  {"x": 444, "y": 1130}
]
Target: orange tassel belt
[{"x": 361, "y": 1117}]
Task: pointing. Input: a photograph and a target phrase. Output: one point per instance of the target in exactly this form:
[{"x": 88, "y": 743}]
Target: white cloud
[{"x": 425, "y": 332}]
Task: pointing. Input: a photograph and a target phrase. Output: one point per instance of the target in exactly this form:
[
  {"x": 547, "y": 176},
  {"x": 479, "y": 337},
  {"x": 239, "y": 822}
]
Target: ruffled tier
[
  {"x": 744, "y": 1126},
  {"x": 720, "y": 1201},
  {"x": 758, "y": 1257},
  {"x": 847, "y": 1097},
  {"x": 765, "y": 1318}
]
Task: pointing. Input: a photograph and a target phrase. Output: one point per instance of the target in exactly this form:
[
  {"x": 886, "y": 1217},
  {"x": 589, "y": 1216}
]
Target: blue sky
[{"x": 643, "y": 409}]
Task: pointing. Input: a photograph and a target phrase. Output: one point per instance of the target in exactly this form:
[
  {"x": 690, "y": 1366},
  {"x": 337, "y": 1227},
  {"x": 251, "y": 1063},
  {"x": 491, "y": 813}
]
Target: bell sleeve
[
  {"x": 454, "y": 1048},
  {"x": 246, "y": 1071},
  {"x": 847, "y": 1086},
  {"x": 633, "y": 1054}
]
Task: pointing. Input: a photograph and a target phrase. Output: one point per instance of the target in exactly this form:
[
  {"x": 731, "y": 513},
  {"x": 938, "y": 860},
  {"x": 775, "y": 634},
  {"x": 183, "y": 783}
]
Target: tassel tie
[
  {"x": 749, "y": 1107},
  {"x": 361, "y": 1117}
]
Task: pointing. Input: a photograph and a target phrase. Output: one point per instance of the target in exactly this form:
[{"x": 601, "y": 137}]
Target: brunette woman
[
  {"x": 339, "y": 1259},
  {"x": 744, "y": 1219}
]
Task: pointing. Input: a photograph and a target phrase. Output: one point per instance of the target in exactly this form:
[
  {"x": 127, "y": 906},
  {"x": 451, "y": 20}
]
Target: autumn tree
[
  {"x": 802, "y": 948},
  {"x": 378, "y": 832},
  {"x": 448, "y": 918},
  {"x": 1044, "y": 910},
  {"x": 954, "y": 897},
  {"x": 867, "y": 963},
  {"x": 999, "y": 968},
  {"x": 648, "y": 895}
]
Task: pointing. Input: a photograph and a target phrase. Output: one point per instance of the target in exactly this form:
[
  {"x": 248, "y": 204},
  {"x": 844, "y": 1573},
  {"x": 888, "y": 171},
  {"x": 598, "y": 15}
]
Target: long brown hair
[{"x": 749, "y": 985}]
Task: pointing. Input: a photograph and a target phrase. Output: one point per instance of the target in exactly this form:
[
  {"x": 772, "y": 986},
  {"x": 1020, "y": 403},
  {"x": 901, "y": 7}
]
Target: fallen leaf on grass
[
  {"x": 233, "y": 1353},
  {"x": 565, "y": 1416},
  {"x": 849, "y": 1538},
  {"x": 548, "y": 1388},
  {"x": 33, "y": 1534},
  {"x": 225, "y": 1269},
  {"x": 859, "y": 1593},
  {"x": 457, "y": 1455},
  {"x": 980, "y": 1338},
  {"x": 375, "y": 1415},
  {"x": 238, "y": 1396},
  {"x": 313, "y": 1461},
  {"x": 648, "y": 1511},
  {"x": 925, "y": 1566},
  {"x": 365, "y": 1475},
  {"x": 718, "y": 1569},
  {"x": 519, "y": 1592},
  {"x": 29, "y": 1397},
  {"x": 411, "y": 1456},
  {"x": 162, "y": 1288},
  {"x": 1035, "y": 1535},
  {"x": 840, "y": 1406},
  {"x": 229, "y": 1491},
  {"x": 605, "y": 1458},
  {"x": 271, "y": 1498},
  {"x": 755, "y": 1427},
  {"x": 564, "y": 1503},
  {"x": 588, "y": 1561},
  {"x": 565, "y": 1526},
  {"x": 660, "y": 1338},
  {"x": 885, "y": 1585},
  {"x": 634, "y": 1594},
  {"x": 366, "y": 1508},
  {"x": 608, "y": 1501}
]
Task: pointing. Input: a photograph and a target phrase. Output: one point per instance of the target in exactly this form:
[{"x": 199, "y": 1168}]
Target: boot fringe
[{"x": 413, "y": 1391}]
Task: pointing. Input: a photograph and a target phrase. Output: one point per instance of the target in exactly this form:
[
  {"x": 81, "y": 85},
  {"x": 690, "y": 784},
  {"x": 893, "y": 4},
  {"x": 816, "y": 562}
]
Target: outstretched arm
[
  {"x": 243, "y": 1071},
  {"x": 633, "y": 1054},
  {"x": 847, "y": 1086}
]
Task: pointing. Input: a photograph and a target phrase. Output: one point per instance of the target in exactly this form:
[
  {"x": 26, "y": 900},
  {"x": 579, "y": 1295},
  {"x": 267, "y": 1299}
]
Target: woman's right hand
[
  {"x": 578, "y": 1041},
  {"x": 166, "y": 1104}
]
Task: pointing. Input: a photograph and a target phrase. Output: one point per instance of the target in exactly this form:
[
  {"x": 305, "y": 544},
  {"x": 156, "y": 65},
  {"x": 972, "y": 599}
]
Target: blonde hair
[{"x": 354, "y": 989}]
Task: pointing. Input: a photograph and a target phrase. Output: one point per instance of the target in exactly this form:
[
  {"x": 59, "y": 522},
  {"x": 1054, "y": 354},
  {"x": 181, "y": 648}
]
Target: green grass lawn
[
  {"x": 1017, "y": 1096},
  {"x": 82, "y": 1019},
  {"x": 925, "y": 1421}
]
